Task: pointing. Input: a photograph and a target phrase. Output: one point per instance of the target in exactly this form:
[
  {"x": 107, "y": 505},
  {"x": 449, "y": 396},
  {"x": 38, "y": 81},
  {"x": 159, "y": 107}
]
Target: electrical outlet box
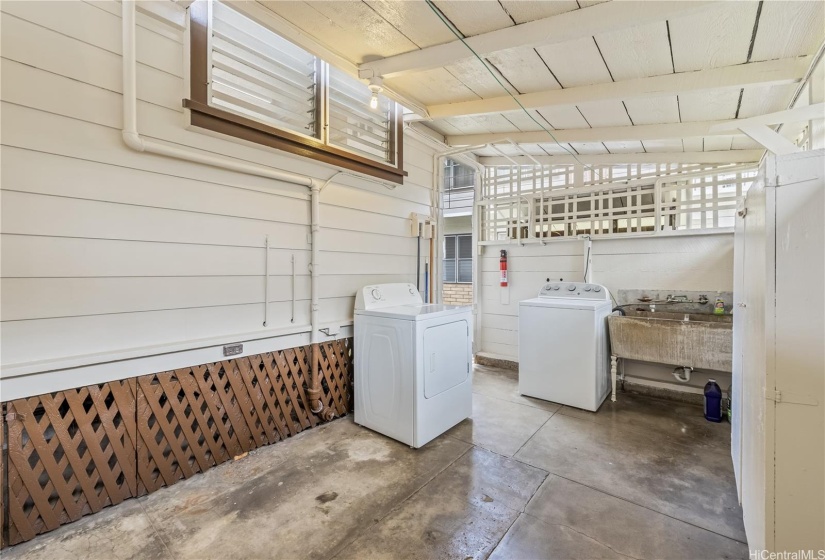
[
  {"x": 232, "y": 349},
  {"x": 422, "y": 226}
]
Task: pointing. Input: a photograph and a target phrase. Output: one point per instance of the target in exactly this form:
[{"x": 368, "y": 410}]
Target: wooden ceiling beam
[
  {"x": 604, "y": 134},
  {"x": 720, "y": 157},
  {"x": 768, "y": 73}
]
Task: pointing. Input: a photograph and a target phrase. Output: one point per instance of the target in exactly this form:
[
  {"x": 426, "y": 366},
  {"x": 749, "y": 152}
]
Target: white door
[
  {"x": 798, "y": 367},
  {"x": 446, "y": 357},
  {"x": 739, "y": 321},
  {"x": 756, "y": 422},
  {"x": 444, "y": 389}
]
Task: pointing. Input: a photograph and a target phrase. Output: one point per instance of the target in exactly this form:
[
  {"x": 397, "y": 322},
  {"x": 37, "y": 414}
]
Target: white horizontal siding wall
[
  {"x": 678, "y": 263},
  {"x": 109, "y": 254}
]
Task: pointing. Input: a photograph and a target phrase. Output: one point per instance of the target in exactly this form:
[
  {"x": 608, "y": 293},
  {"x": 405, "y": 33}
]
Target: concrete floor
[{"x": 525, "y": 478}]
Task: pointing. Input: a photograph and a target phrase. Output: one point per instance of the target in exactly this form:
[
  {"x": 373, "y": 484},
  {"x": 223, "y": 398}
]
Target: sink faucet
[{"x": 676, "y": 299}]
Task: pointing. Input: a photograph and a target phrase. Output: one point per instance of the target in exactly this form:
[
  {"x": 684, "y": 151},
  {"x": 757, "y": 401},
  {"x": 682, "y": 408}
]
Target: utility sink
[{"x": 703, "y": 341}]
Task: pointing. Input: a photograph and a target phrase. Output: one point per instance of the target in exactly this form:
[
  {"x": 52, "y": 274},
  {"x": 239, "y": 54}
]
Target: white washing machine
[
  {"x": 563, "y": 344},
  {"x": 413, "y": 364}
]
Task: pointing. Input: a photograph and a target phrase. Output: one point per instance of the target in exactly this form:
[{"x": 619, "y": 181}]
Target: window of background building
[{"x": 458, "y": 259}]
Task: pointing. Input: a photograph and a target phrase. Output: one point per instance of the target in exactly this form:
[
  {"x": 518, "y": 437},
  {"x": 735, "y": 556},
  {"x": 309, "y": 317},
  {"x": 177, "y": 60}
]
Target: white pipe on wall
[
  {"x": 587, "y": 265},
  {"x": 132, "y": 138}
]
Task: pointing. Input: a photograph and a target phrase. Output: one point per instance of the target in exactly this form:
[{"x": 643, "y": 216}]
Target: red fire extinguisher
[{"x": 503, "y": 268}]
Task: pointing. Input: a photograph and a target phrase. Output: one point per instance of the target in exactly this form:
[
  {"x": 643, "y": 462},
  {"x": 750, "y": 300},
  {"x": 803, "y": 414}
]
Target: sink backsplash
[{"x": 633, "y": 296}]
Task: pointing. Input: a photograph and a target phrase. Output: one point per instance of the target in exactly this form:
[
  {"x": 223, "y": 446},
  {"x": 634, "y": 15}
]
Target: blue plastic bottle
[{"x": 713, "y": 401}]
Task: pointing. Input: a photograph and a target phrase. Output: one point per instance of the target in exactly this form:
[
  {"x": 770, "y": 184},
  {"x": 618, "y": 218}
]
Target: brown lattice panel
[
  {"x": 194, "y": 418},
  {"x": 70, "y": 453},
  {"x": 335, "y": 366},
  {"x": 75, "y": 452}
]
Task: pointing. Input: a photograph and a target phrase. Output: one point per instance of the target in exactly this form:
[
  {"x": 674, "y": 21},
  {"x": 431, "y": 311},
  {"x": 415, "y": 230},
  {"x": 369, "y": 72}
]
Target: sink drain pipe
[
  {"x": 682, "y": 373},
  {"x": 135, "y": 141}
]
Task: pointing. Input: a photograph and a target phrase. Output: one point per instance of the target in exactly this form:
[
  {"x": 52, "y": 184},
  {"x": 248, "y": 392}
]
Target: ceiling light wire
[{"x": 461, "y": 38}]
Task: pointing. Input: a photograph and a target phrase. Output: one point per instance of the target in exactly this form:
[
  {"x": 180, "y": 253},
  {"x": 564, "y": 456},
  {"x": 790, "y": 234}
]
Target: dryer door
[{"x": 446, "y": 357}]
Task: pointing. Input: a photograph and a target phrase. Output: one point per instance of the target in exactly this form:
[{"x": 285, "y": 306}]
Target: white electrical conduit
[{"x": 133, "y": 139}]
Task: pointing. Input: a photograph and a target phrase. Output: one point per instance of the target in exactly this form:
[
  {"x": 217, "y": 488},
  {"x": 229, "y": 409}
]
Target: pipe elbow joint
[{"x": 133, "y": 140}]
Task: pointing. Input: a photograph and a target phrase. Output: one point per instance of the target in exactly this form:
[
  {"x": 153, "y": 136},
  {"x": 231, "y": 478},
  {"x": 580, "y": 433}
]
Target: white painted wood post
[{"x": 613, "y": 361}]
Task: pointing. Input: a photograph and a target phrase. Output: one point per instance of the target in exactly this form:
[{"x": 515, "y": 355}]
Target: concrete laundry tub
[{"x": 703, "y": 341}]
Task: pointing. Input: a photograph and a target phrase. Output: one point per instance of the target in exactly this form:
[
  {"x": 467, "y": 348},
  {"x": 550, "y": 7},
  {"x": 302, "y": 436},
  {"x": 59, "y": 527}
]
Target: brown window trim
[{"x": 224, "y": 122}]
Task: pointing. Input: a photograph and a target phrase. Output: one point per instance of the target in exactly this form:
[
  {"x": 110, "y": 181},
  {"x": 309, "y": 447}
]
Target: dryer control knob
[
  {"x": 571, "y": 288},
  {"x": 597, "y": 289},
  {"x": 587, "y": 288},
  {"x": 412, "y": 292},
  {"x": 376, "y": 294},
  {"x": 556, "y": 287}
]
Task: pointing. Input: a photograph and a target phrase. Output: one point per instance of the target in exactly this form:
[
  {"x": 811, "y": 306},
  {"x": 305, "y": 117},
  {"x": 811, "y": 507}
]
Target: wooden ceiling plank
[
  {"x": 576, "y": 63},
  {"x": 653, "y": 110},
  {"x": 605, "y": 113},
  {"x": 624, "y": 147},
  {"x": 713, "y": 39},
  {"x": 563, "y": 117},
  {"x": 717, "y": 143},
  {"x": 637, "y": 52},
  {"x": 763, "y": 100},
  {"x": 789, "y": 29},
  {"x": 473, "y": 17},
  {"x": 356, "y": 31},
  {"x": 525, "y": 69},
  {"x": 433, "y": 86},
  {"x": 523, "y": 12},
  {"x": 413, "y": 19}
]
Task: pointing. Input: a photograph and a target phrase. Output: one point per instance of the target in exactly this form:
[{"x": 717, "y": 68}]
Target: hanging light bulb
[{"x": 376, "y": 86}]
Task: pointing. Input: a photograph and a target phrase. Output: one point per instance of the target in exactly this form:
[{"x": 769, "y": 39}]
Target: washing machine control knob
[
  {"x": 587, "y": 288},
  {"x": 571, "y": 288},
  {"x": 376, "y": 293},
  {"x": 412, "y": 292},
  {"x": 597, "y": 289}
]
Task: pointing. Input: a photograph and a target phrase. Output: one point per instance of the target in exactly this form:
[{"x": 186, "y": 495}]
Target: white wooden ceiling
[{"x": 721, "y": 34}]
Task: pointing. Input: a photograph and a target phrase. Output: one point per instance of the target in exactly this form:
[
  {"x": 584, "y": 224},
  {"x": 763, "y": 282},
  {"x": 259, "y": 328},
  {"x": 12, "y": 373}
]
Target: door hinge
[{"x": 787, "y": 397}]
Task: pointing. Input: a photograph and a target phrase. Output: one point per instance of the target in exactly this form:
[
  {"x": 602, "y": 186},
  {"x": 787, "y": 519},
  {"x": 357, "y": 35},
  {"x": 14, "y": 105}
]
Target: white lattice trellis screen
[{"x": 534, "y": 203}]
